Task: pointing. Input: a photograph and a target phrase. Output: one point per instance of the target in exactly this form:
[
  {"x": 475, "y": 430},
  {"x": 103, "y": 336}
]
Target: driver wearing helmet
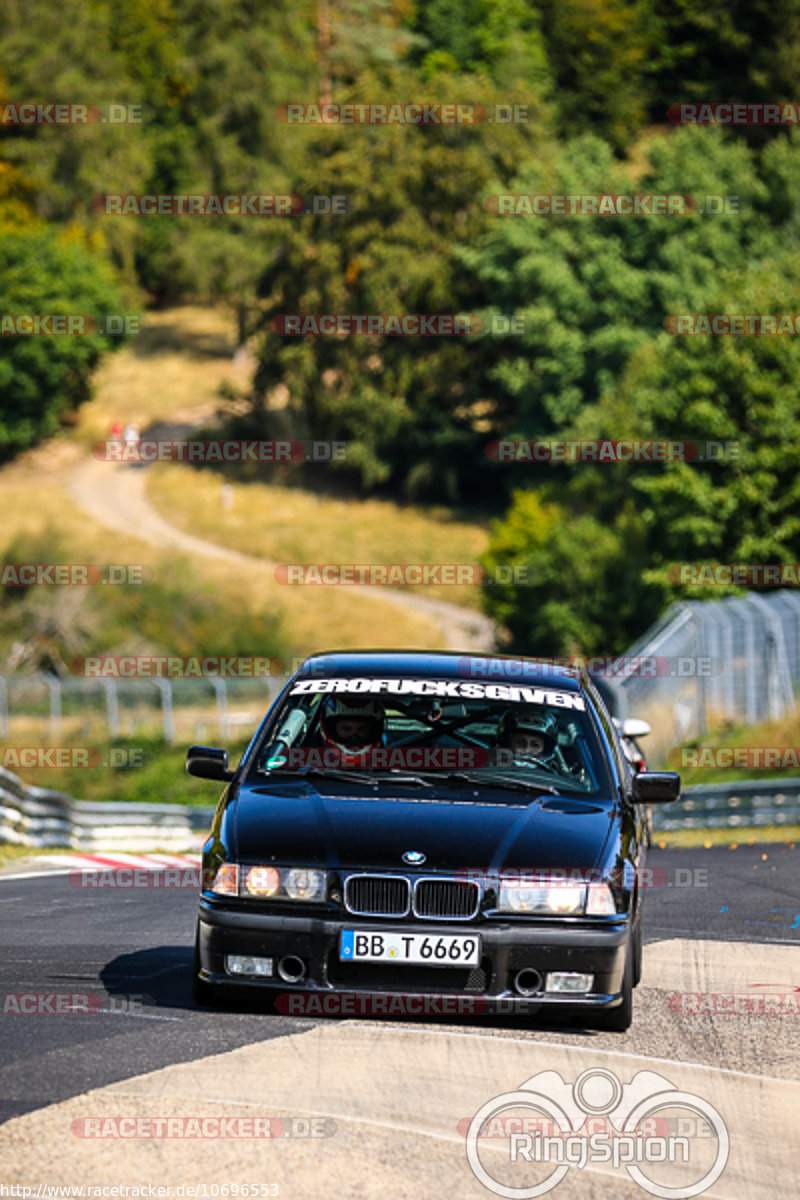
[
  {"x": 531, "y": 736},
  {"x": 352, "y": 727}
]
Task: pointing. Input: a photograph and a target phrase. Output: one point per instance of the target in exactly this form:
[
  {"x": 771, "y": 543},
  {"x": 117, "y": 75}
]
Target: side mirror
[
  {"x": 208, "y": 762},
  {"x": 656, "y": 787},
  {"x": 632, "y": 727}
]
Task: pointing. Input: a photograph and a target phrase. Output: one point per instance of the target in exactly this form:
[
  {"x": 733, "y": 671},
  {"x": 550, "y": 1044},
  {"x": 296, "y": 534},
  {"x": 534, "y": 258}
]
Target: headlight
[
  {"x": 284, "y": 883},
  {"x": 553, "y": 897},
  {"x": 262, "y": 881},
  {"x": 556, "y": 897},
  {"x": 304, "y": 885}
]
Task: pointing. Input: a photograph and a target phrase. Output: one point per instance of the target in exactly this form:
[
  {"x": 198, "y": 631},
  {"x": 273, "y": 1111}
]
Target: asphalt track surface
[{"x": 395, "y": 1093}]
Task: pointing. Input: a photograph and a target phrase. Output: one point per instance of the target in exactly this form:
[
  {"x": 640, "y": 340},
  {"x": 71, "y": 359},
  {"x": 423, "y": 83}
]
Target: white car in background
[{"x": 630, "y": 730}]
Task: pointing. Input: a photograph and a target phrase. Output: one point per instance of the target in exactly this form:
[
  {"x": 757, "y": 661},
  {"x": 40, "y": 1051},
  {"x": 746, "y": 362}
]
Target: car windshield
[{"x": 462, "y": 734}]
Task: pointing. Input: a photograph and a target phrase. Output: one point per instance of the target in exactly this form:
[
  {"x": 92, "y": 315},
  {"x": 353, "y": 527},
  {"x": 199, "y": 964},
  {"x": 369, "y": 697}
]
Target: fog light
[
  {"x": 568, "y": 981},
  {"x": 243, "y": 964}
]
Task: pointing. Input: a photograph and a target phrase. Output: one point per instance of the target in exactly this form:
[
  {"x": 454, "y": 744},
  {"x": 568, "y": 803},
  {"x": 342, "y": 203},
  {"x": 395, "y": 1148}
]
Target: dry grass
[
  {"x": 291, "y": 525},
  {"x": 313, "y": 618},
  {"x": 11, "y": 855},
  {"x": 686, "y": 839},
  {"x": 783, "y": 734},
  {"x": 172, "y": 372}
]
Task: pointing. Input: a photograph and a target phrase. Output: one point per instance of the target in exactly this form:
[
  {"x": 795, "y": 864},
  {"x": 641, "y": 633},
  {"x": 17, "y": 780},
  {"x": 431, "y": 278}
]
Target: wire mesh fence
[
  {"x": 707, "y": 662},
  {"x": 33, "y": 707}
]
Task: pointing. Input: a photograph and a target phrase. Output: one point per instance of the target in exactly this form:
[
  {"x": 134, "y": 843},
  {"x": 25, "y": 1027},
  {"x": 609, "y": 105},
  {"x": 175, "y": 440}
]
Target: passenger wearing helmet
[
  {"x": 352, "y": 727},
  {"x": 531, "y": 736}
]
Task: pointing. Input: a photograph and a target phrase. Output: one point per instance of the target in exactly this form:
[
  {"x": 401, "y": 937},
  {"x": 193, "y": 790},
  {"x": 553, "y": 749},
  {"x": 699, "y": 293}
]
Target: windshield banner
[{"x": 451, "y": 689}]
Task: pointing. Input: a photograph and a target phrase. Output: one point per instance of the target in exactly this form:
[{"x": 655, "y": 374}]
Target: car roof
[{"x": 440, "y": 664}]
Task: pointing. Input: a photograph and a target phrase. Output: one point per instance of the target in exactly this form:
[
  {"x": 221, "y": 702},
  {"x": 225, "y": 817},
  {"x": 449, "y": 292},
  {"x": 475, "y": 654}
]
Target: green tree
[
  {"x": 574, "y": 580},
  {"x": 712, "y": 51},
  {"x": 410, "y": 408},
  {"x": 44, "y": 378},
  {"x": 608, "y": 289},
  {"x": 599, "y": 53}
]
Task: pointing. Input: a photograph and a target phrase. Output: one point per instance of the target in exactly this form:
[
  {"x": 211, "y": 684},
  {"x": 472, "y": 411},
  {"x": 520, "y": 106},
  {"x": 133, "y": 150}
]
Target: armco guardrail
[
  {"x": 36, "y": 817},
  {"x": 745, "y": 803}
]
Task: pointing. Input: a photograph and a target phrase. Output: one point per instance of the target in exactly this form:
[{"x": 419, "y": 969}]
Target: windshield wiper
[
  {"x": 350, "y": 776},
  {"x": 503, "y": 781}
]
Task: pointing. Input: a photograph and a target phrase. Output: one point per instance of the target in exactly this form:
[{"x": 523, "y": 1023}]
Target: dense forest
[{"x": 576, "y": 341}]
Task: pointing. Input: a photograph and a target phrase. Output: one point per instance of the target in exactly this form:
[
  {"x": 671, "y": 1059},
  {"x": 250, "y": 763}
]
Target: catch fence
[{"x": 735, "y": 660}]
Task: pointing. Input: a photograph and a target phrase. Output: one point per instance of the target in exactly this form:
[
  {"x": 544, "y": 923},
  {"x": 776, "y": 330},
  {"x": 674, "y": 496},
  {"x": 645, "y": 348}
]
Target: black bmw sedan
[{"x": 428, "y": 832}]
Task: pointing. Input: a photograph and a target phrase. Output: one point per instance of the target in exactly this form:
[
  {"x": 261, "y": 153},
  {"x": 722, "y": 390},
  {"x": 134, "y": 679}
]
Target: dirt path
[{"x": 116, "y": 496}]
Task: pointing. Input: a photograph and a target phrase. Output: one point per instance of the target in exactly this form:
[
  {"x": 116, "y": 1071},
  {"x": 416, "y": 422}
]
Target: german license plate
[{"x": 427, "y": 949}]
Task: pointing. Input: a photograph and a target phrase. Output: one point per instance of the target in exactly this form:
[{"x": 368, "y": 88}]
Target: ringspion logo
[{"x": 632, "y": 1134}]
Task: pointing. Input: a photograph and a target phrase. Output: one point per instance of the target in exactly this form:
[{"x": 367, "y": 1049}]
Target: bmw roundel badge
[{"x": 414, "y": 858}]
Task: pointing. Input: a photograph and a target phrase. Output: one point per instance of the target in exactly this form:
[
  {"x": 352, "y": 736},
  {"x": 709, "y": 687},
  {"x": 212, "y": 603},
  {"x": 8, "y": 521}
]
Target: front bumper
[{"x": 506, "y": 948}]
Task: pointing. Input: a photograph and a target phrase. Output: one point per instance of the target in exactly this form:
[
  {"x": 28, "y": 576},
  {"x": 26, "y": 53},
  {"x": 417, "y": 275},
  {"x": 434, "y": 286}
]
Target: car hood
[{"x": 309, "y": 827}]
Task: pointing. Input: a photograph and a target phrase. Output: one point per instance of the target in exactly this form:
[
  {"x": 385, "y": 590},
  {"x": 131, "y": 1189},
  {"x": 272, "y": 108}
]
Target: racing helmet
[
  {"x": 351, "y": 724},
  {"x": 540, "y": 722}
]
